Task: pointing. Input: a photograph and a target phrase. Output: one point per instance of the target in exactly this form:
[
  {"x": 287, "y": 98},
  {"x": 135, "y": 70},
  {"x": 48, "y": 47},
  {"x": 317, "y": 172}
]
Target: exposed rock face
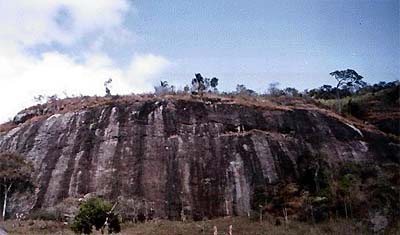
[
  {"x": 23, "y": 116},
  {"x": 3, "y": 232},
  {"x": 201, "y": 157}
]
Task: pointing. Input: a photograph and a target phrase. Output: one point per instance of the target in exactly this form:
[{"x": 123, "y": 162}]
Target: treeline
[
  {"x": 348, "y": 84},
  {"x": 329, "y": 92},
  {"x": 201, "y": 85},
  {"x": 344, "y": 88}
]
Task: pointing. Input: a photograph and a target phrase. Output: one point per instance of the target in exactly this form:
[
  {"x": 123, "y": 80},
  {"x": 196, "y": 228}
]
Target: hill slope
[{"x": 379, "y": 106}]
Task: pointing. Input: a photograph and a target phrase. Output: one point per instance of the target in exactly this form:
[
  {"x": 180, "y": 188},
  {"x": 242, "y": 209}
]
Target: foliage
[
  {"x": 198, "y": 84},
  {"x": 357, "y": 89},
  {"x": 107, "y": 85},
  {"x": 47, "y": 214},
  {"x": 385, "y": 196},
  {"x": 259, "y": 198},
  {"x": 15, "y": 169},
  {"x": 95, "y": 212},
  {"x": 134, "y": 209},
  {"x": 290, "y": 91},
  {"x": 315, "y": 174},
  {"x": 186, "y": 89},
  {"x": 282, "y": 197},
  {"x": 273, "y": 89},
  {"x": 243, "y": 91},
  {"x": 63, "y": 211},
  {"x": 377, "y": 104},
  {"x": 328, "y": 92},
  {"x": 201, "y": 84},
  {"x": 348, "y": 77},
  {"x": 346, "y": 182},
  {"x": 15, "y": 175},
  {"x": 214, "y": 83},
  {"x": 164, "y": 88},
  {"x": 390, "y": 96}
]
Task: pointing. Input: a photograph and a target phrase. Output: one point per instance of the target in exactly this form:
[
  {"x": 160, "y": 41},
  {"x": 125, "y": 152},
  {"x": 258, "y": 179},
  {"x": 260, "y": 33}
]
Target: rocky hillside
[
  {"x": 201, "y": 157},
  {"x": 377, "y": 104}
]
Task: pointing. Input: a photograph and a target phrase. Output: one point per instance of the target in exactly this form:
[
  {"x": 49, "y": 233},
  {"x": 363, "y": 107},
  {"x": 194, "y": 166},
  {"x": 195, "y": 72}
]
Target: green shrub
[
  {"x": 94, "y": 212},
  {"x": 259, "y": 198}
]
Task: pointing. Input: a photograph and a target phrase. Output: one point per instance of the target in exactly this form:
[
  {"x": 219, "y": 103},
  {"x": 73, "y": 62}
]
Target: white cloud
[
  {"x": 28, "y": 23},
  {"x": 22, "y": 78},
  {"x": 144, "y": 69}
]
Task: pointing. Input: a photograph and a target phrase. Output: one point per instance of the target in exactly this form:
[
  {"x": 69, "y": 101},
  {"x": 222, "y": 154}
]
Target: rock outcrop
[{"x": 201, "y": 157}]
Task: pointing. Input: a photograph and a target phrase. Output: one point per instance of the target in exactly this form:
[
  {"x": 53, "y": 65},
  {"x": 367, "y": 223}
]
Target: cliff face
[{"x": 205, "y": 158}]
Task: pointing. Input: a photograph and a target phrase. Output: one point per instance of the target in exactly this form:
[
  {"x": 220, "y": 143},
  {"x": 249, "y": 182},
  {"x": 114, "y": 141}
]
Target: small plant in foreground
[{"x": 98, "y": 213}]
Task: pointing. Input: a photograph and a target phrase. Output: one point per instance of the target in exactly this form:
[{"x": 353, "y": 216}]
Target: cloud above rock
[{"x": 62, "y": 26}]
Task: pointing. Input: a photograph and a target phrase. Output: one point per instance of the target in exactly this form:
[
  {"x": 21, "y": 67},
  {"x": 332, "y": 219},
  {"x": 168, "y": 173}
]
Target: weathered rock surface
[
  {"x": 203, "y": 157},
  {"x": 3, "y": 232}
]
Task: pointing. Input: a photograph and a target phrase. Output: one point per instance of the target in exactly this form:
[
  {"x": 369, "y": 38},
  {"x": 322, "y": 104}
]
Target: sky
[{"x": 71, "y": 47}]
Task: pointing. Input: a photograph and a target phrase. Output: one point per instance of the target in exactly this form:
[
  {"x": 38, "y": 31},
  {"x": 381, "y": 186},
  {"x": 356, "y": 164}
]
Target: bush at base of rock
[{"x": 94, "y": 213}]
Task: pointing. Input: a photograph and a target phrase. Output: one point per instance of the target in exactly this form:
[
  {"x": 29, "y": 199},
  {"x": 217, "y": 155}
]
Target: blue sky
[
  {"x": 296, "y": 43},
  {"x": 72, "y": 47}
]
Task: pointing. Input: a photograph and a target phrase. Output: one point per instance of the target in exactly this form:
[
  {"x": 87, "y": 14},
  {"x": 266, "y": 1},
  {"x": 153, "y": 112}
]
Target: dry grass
[
  {"x": 36, "y": 227},
  {"x": 241, "y": 226},
  {"x": 74, "y": 104},
  {"x": 7, "y": 126},
  {"x": 257, "y": 102}
]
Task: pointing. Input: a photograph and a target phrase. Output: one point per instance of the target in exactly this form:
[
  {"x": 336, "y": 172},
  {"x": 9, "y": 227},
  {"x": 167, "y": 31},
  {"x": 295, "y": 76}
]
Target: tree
[
  {"x": 346, "y": 78},
  {"x": 201, "y": 84},
  {"x": 15, "y": 175},
  {"x": 38, "y": 98},
  {"x": 259, "y": 200},
  {"x": 290, "y": 91},
  {"x": 274, "y": 90},
  {"x": 214, "y": 83},
  {"x": 98, "y": 213},
  {"x": 164, "y": 88},
  {"x": 164, "y": 84},
  {"x": 107, "y": 86},
  {"x": 198, "y": 84},
  {"x": 242, "y": 90}
]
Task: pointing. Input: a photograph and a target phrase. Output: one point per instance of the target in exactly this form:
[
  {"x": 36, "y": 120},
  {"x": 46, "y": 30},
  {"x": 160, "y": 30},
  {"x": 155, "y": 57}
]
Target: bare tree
[{"x": 215, "y": 230}]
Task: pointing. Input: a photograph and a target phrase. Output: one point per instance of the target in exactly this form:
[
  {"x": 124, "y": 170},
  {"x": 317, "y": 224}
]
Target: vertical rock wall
[{"x": 201, "y": 158}]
